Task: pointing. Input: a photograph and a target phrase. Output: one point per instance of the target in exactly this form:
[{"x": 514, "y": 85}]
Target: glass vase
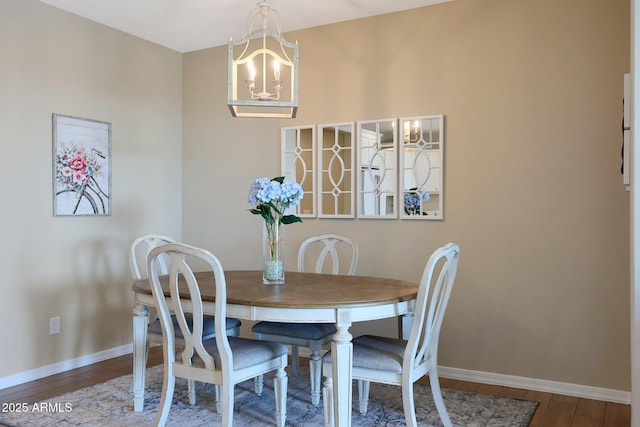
[{"x": 273, "y": 253}]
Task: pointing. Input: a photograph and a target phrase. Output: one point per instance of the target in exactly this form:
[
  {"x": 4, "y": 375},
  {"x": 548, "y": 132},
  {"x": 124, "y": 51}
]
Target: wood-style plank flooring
[{"x": 554, "y": 410}]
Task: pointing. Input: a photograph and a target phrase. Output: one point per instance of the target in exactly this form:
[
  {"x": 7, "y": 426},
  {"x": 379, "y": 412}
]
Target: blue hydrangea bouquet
[{"x": 272, "y": 198}]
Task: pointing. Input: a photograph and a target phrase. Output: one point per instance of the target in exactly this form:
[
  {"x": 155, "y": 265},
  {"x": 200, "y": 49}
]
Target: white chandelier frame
[{"x": 262, "y": 100}]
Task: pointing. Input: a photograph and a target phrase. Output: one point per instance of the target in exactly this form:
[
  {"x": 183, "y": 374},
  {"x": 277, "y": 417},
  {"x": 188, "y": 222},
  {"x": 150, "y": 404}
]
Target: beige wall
[
  {"x": 55, "y": 62},
  {"x": 531, "y": 91}
]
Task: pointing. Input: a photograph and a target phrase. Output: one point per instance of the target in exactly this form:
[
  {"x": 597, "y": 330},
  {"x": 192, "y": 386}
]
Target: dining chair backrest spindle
[
  {"x": 330, "y": 249},
  {"x": 139, "y": 251}
]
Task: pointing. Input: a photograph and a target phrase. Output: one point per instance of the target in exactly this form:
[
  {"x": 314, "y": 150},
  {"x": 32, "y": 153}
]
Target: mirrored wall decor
[
  {"x": 421, "y": 172},
  {"x": 336, "y": 160},
  {"x": 298, "y": 151},
  {"x": 384, "y": 169},
  {"x": 377, "y": 162}
]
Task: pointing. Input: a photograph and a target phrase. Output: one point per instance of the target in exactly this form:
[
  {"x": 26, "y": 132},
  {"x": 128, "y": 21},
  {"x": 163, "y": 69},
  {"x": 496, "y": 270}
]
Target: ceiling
[{"x": 187, "y": 25}]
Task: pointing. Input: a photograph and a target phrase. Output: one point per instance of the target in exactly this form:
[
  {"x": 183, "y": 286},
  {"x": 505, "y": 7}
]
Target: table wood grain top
[{"x": 308, "y": 290}]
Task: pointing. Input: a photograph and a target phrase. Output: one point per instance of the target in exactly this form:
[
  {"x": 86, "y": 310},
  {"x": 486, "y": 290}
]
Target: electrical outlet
[{"x": 54, "y": 325}]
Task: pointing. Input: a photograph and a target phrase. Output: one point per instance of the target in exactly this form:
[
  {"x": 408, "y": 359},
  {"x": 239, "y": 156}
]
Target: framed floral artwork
[{"x": 81, "y": 166}]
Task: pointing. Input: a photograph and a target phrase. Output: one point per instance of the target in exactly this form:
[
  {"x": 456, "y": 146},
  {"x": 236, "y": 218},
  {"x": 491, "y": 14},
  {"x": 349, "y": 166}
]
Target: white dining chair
[
  {"x": 138, "y": 252},
  {"x": 403, "y": 362},
  {"x": 224, "y": 360},
  {"x": 313, "y": 336}
]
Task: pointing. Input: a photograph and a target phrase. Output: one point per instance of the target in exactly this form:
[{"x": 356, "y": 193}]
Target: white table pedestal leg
[
  {"x": 140, "y": 324},
  {"x": 342, "y": 353}
]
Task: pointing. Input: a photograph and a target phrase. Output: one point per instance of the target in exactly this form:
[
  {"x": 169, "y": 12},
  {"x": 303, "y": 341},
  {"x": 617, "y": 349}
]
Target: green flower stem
[{"x": 272, "y": 240}]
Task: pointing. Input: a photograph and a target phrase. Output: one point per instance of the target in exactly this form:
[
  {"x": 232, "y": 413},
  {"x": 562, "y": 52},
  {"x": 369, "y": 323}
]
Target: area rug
[{"x": 111, "y": 404}]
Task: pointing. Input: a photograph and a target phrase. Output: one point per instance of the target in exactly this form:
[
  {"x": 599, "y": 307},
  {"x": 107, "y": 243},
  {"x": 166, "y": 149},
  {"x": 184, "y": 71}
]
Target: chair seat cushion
[
  {"x": 311, "y": 331},
  {"x": 208, "y": 327},
  {"x": 373, "y": 352},
  {"x": 246, "y": 352}
]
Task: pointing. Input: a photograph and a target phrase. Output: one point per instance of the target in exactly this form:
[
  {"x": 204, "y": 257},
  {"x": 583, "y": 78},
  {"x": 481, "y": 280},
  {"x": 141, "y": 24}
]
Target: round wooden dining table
[{"x": 304, "y": 298}]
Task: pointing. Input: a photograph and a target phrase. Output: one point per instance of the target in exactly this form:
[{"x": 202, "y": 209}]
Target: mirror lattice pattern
[
  {"x": 378, "y": 188},
  {"x": 421, "y": 167},
  {"x": 336, "y": 183},
  {"x": 297, "y": 164}
]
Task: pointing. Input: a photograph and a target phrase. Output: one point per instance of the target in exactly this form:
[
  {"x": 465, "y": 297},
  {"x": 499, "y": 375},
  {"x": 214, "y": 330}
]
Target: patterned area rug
[{"x": 110, "y": 404}]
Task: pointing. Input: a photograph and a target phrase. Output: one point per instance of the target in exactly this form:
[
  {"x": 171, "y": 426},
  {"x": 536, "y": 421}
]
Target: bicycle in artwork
[{"x": 77, "y": 174}]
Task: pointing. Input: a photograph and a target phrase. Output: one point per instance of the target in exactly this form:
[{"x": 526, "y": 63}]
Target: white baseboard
[
  {"x": 576, "y": 390},
  {"x": 56, "y": 368},
  {"x": 568, "y": 389}
]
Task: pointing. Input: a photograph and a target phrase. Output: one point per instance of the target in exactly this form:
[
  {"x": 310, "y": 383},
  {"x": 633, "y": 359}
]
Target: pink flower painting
[{"x": 81, "y": 167}]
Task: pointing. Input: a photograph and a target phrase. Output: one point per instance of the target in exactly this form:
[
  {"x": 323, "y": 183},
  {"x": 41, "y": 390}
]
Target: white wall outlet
[{"x": 54, "y": 325}]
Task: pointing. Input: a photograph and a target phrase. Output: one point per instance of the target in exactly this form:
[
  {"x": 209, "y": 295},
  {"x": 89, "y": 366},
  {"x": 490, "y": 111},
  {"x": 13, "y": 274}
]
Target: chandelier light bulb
[
  {"x": 252, "y": 70},
  {"x": 276, "y": 69}
]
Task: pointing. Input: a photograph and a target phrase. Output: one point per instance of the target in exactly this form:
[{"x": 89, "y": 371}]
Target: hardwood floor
[{"x": 554, "y": 410}]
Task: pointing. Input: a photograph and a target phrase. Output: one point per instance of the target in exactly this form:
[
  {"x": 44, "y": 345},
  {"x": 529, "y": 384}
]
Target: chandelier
[
  {"x": 411, "y": 131},
  {"x": 263, "y": 69}
]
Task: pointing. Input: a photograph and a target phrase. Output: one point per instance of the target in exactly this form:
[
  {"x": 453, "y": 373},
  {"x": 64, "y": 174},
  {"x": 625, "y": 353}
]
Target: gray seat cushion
[
  {"x": 373, "y": 352},
  {"x": 311, "y": 331},
  {"x": 208, "y": 327},
  {"x": 246, "y": 352}
]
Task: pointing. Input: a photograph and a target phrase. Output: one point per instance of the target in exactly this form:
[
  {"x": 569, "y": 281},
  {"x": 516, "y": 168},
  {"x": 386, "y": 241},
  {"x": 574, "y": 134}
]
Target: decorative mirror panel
[
  {"x": 377, "y": 164},
  {"x": 336, "y": 180},
  {"x": 298, "y": 151},
  {"x": 421, "y": 172}
]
